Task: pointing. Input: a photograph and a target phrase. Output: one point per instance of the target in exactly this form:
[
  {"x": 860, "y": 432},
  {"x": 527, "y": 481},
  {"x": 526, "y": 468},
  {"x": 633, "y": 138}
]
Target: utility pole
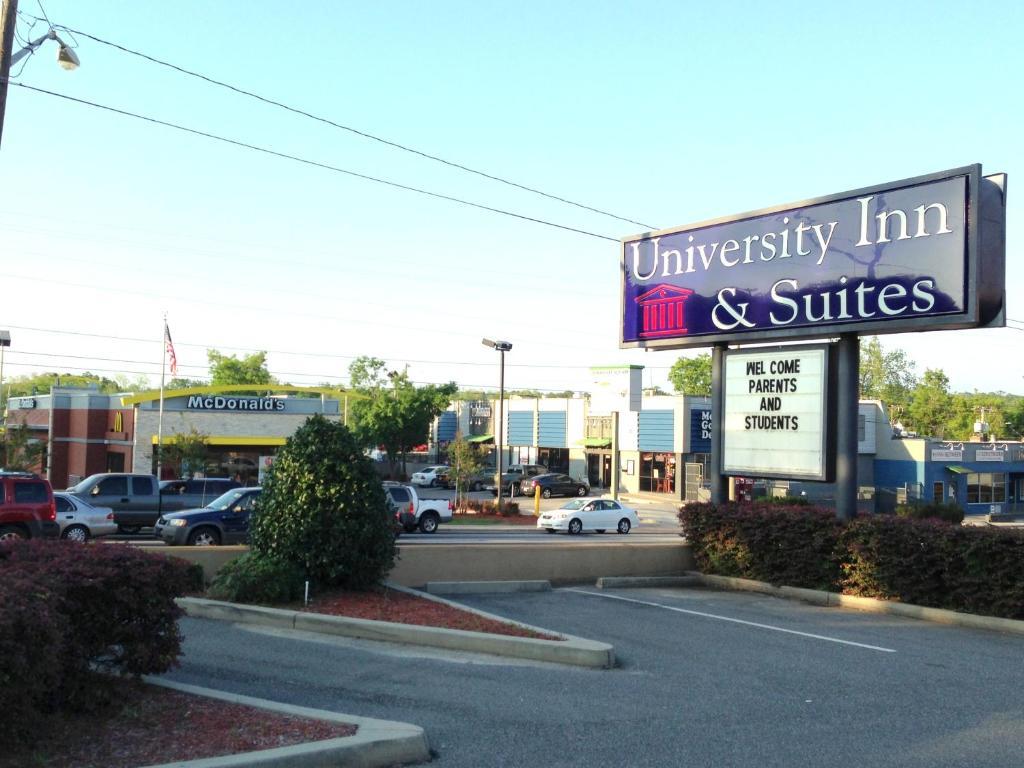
[{"x": 8, "y": 18}]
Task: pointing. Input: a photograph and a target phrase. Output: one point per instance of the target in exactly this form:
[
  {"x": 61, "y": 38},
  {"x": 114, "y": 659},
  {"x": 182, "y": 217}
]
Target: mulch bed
[
  {"x": 151, "y": 724},
  {"x": 403, "y": 608}
]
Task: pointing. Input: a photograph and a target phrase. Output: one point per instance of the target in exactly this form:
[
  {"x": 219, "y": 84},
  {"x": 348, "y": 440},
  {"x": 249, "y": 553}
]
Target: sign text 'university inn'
[{"x": 903, "y": 256}]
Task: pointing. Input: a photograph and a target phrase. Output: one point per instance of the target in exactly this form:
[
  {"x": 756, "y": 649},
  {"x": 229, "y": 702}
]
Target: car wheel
[
  {"x": 511, "y": 489},
  {"x": 428, "y": 523},
  {"x": 204, "y": 537},
  {"x": 575, "y": 526},
  {"x": 581, "y": 490},
  {"x": 475, "y": 486},
  {"x": 546, "y": 493},
  {"x": 433, "y": 483},
  {"x": 76, "y": 533},
  {"x": 624, "y": 526},
  {"x": 129, "y": 528},
  {"x": 10, "y": 533}
]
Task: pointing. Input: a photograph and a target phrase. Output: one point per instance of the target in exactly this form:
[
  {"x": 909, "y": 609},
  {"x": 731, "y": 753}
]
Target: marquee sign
[
  {"x": 221, "y": 403},
  {"x": 777, "y": 416},
  {"x": 902, "y": 256}
]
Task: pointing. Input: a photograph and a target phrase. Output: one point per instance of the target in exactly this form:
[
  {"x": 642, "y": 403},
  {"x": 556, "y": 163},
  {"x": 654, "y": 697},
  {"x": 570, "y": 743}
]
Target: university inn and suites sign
[{"x": 921, "y": 254}]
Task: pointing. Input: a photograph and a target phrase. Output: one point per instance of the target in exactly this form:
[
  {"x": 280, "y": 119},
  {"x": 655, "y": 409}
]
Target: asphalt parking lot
[{"x": 705, "y": 678}]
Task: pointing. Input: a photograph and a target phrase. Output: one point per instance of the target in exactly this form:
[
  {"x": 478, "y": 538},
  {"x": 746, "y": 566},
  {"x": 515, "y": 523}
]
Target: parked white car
[
  {"x": 80, "y": 521},
  {"x": 431, "y": 477},
  {"x": 581, "y": 515}
]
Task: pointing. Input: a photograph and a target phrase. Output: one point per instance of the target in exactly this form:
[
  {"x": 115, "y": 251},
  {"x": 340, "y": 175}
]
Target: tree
[
  {"x": 188, "y": 451},
  {"x": 228, "y": 369},
  {"x": 463, "y": 462},
  {"x": 323, "y": 509},
  {"x": 40, "y": 383},
  {"x": 20, "y": 450},
  {"x": 692, "y": 375},
  {"x": 398, "y": 416},
  {"x": 930, "y": 404},
  {"x": 886, "y": 376}
]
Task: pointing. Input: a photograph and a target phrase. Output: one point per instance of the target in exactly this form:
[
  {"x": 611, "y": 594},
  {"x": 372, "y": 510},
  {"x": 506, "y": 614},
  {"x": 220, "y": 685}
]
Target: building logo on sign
[
  {"x": 219, "y": 403},
  {"x": 663, "y": 313}
]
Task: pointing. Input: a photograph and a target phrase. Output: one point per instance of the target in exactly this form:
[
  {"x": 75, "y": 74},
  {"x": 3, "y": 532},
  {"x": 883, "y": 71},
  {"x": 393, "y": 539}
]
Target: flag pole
[{"x": 160, "y": 418}]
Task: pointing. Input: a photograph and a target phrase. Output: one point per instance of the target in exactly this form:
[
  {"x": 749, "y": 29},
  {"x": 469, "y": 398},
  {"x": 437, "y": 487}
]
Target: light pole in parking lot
[{"x": 502, "y": 347}]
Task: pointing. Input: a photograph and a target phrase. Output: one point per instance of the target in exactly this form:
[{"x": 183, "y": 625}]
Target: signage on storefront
[
  {"x": 616, "y": 388},
  {"x": 902, "y": 256},
  {"x": 777, "y": 414},
  {"x": 220, "y": 403},
  {"x": 700, "y": 430},
  {"x": 945, "y": 454},
  {"x": 990, "y": 455}
]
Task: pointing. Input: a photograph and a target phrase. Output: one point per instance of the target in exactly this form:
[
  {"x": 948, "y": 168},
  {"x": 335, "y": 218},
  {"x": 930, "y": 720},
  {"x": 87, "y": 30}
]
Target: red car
[{"x": 27, "y": 508}]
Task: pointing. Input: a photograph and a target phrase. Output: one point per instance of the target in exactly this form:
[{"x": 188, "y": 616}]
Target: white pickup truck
[{"x": 414, "y": 512}]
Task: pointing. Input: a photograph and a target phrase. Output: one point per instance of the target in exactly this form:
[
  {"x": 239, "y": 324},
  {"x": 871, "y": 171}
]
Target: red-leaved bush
[
  {"x": 88, "y": 608},
  {"x": 924, "y": 562}
]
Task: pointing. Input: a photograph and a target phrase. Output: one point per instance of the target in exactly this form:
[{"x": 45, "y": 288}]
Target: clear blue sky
[{"x": 665, "y": 113}]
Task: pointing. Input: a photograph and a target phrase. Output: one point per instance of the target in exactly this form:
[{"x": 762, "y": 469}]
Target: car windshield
[
  {"x": 574, "y": 504},
  {"x": 228, "y": 500}
]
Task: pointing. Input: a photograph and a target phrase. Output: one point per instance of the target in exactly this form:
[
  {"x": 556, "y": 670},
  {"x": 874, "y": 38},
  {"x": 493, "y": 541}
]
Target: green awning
[
  {"x": 597, "y": 442},
  {"x": 480, "y": 439},
  {"x": 956, "y": 469}
]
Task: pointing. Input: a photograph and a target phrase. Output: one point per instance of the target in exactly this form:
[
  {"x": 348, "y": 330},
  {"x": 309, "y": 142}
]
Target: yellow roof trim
[
  {"x": 154, "y": 394},
  {"x": 231, "y": 440}
]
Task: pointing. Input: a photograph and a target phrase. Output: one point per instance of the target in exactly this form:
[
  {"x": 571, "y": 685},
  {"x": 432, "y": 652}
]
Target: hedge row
[
  {"x": 508, "y": 508},
  {"x": 924, "y": 562},
  {"x": 68, "y": 612}
]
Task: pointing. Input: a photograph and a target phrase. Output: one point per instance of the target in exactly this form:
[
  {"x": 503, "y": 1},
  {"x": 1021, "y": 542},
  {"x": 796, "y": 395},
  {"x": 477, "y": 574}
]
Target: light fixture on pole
[
  {"x": 66, "y": 57},
  {"x": 5, "y": 342},
  {"x": 502, "y": 347}
]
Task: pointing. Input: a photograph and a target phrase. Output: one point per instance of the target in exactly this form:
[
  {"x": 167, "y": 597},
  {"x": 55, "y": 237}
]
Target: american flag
[{"x": 171, "y": 357}]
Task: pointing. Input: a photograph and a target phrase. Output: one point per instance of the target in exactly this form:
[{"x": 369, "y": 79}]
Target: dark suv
[{"x": 27, "y": 509}]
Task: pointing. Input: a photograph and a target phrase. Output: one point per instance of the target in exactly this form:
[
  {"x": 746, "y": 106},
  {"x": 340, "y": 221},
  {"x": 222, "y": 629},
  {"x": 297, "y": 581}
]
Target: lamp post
[
  {"x": 5, "y": 342},
  {"x": 502, "y": 347},
  {"x": 8, "y": 18}
]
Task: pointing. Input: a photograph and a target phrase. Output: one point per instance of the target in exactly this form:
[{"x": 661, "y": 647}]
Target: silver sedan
[{"x": 80, "y": 521}]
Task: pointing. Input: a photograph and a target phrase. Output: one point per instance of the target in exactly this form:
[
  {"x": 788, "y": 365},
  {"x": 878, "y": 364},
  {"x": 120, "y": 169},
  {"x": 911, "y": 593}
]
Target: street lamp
[
  {"x": 5, "y": 342},
  {"x": 502, "y": 347},
  {"x": 8, "y": 18}
]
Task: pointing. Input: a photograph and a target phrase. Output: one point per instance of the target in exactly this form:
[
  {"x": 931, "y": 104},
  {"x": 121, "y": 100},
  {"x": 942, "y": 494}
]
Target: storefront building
[{"x": 87, "y": 432}]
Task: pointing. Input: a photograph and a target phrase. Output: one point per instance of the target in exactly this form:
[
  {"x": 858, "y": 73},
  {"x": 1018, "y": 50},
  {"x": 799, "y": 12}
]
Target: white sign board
[
  {"x": 990, "y": 455},
  {"x": 942, "y": 454},
  {"x": 616, "y": 388},
  {"x": 776, "y": 413}
]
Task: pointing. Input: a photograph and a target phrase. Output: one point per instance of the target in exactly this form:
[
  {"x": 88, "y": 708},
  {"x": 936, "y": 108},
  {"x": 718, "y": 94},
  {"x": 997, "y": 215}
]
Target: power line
[
  {"x": 356, "y": 131},
  {"x": 179, "y": 344},
  {"x": 314, "y": 163}
]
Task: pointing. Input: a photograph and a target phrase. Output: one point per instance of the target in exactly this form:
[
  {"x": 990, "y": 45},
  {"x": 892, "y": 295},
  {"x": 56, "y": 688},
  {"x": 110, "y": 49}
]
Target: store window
[
  {"x": 986, "y": 488},
  {"x": 658, "y": 472},
  {"x": 555, "y": 459},
  {"x": 938, "y": 492}
]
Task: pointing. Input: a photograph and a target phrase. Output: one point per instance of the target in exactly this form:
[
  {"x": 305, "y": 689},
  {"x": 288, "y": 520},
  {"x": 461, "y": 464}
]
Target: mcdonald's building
[{"x": 86, "y": 431}]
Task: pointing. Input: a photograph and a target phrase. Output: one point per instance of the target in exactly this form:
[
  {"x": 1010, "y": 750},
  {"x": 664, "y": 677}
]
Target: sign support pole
[
  {"x": 718, "y": 486},
  {"x": 847, "y": 398}
]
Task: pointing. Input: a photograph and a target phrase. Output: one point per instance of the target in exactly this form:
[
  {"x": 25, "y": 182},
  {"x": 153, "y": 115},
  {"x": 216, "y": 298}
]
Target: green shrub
[
  {"x": 324, "y": 510},
  {"x": 794, "y": 545},
  {"x": 255, "y": 578},
  {"x": 508, "y": 508},
  {"x": 949, "y": 513}
]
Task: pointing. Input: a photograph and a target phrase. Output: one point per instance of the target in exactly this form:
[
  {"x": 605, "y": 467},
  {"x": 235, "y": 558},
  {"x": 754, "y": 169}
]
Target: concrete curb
[
  {"x": 869, "y": 604},
  {"x": 377, "y": 744},
  {"x": 575, "y": 651},
  {"x": 631, "y": 582},
  {"x": 486, "y": 587}
]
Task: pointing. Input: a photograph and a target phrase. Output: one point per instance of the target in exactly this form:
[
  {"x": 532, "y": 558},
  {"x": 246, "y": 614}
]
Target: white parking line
[{"x": 727, "y": 618}]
